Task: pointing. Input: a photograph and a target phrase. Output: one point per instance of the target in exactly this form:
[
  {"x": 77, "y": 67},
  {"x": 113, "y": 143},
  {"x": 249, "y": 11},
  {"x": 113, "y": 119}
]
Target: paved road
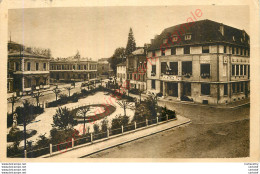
[{"x": 212, "y": 133}]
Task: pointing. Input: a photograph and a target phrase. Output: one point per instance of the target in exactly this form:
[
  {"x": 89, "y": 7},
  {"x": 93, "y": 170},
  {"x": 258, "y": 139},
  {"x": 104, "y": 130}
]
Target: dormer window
[
  {"x": 221, "y": 29},
  {"x": 234, "y": 39},
  {"x": 165, "y": 41},
  {"x": 174, "y": 38},
  {"x": 188, "y": 37}
]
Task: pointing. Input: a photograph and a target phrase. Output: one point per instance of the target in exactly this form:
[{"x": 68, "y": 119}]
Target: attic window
[
  {"x": 221, "y": 29},
  {"x": 234, "y": 39},
  {"x": 165, "y": 41},
  {"x": 188, "y": 37},
  {"x": 174, "y": 38}
]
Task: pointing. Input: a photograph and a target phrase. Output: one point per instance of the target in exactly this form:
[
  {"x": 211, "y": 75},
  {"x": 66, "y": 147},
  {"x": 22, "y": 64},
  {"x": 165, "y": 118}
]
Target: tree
[
  {"x": 56, "y": 92},
  {"x": 63, "y": 118},
  {"x": 37, "y": 96},
  {"x": 118, "y": 57},
  {"x": 69, "y": 88},
  {"x": 140, "y": 94},
  {"x": 26, "y": 119},
  {"x": 125, "y": 105},
  {"x": 131, "y": 45},
  {"x": 83, "y": 112}
]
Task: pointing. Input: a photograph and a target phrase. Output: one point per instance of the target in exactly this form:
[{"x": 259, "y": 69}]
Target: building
[
  {"x": 74, "y": 69},
  {"x": 136, "y": 69},
  {"x": 204, "y": 61},
  {"x": 121, "y": 73},
  {"x": 27, "y": 70},
  {"x": 104, "y": 69}
]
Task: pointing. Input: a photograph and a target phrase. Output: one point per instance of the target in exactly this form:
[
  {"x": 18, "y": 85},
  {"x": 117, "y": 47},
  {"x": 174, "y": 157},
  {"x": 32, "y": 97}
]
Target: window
[
  {"x": 153, "y": 84},
  {"x": 237, "y": 70},
  {"x": 241, "y": 51},
  {"x": 78, "y": 67},
  {"x": 233, "y": 50},
  {"x": 174, "y": 38},
  {"x": 205, "y": 89},
  {"x": 62, "y": 67},
  {"x": 73, "y": 67},
  {"x": 242, "y": 87},
  {"x": 241, "y": 70},
  {"x": 204, "y": 70},
  {"x": 163, "y": 52},
  {"x": 36, "y": 66},
  {"x": 187, "y": 68},
  {"x": 233, "y": 70},
  {"x": 225, "y": 89},
  {"x": 245, "y": 69},
  {"x": 225, "y": 49},
  {"x": 238, "y": 87},
  {"x": 205, "y": 49},
  {"x": 233, "y": 87},
  {"x": 52, "y": 67},
  {"x": 153, "y": 54},
  {"x": 174, "y": 68},
  {"x": 44, "y": 66},
  {"x": 173, "y": 51},
  {"x": 153, "y": 73},
  {"x": 28, "y": 66},
  {"x": 17, "y": 67},
  {"x": 163, "y": 67},
  {"x": 78, "y": 76},
  {"x": 85, "y": 67},
  {"x": 221, "y": 29},
  {"x": 187, "y": 50},
  {"x": 188, "y": 37}
]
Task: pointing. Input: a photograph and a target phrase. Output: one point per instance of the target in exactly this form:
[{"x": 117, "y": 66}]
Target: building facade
[
  {"x": 104, "y": 69},
  {"x": 27, "y": 71},
  {"x": 206, "y": 61},
  {"x": 121, "y": 73},
  {"x": 136, "y": 69},
  {"x": 67, "y": 70}
]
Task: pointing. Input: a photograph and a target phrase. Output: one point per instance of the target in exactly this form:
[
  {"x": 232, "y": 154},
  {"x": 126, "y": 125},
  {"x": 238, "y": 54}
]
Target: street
[{"x": 213, "y": 133}]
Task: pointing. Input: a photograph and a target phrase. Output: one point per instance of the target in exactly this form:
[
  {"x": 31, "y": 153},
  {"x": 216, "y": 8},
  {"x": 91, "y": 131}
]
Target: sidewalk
[
  {"x": 99, "y": 145},
  {"x": 220, "y": 106}
]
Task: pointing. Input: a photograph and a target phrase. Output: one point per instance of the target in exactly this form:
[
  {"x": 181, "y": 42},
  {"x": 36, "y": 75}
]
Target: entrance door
[
  {"x": 172, "y": 89},
  {"x": 187, "y": 89}
]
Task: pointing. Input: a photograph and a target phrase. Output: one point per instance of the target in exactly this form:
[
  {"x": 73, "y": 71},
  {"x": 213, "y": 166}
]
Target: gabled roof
[
  {"x": 202, "y": 32},
  {"x": 138, "y": 52}
]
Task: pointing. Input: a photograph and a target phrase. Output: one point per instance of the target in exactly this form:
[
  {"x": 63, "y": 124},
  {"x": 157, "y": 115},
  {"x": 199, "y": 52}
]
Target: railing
[{"x": 90, "y": 138}]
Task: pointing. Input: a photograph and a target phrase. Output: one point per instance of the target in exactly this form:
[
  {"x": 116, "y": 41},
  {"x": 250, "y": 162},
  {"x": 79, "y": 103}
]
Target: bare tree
[
  {"x": 56, "y": 92},
  {"x": 83, "y": 113},
  {"x": 69, "y": 89},
  {"x": 37, "y": 96},
  {"x": 125, "y": 105}
]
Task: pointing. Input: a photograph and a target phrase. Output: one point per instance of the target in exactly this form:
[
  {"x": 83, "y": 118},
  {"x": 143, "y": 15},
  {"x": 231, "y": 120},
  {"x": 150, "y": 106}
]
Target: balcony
[
  {"x": 171, "y": 77},
  {"x": 153, "y": 73},
  {"x": 205, "y": 75}
]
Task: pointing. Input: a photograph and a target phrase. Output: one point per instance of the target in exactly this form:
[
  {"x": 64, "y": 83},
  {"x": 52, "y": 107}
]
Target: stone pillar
[
  {"x": 122, "y": 129},
  {"x": 157, "y": 119},
  {"x": 164, "y": 88},
  {"x": 180, "y": 90},
  {"x": 72, "y": 142},
  {"x": 146, "y": 122},
  {"x": 50, "y": 149},
  {"x": 107, "y": 133},
  {"x": 22, "y": 83},
  {"x": 91, "y": 137},
  {"x": 135, "y": 124},
  {"x": 25, "y": 154}
]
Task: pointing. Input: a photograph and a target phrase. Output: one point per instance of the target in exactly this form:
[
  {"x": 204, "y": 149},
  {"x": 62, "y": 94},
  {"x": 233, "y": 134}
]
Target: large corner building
[{"x": 204, "y": 61}]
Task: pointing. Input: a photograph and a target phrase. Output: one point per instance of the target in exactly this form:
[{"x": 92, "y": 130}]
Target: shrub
[
  {"x": 118, "y": 122},
  {"x": 134, "y": 91},
  {"x": 63, "y": 118},
  {"x": 159, "y": 94}
]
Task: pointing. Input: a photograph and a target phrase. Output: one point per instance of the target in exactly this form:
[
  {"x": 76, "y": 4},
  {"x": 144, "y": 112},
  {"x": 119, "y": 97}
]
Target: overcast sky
[{"x": 97, "y": 31}]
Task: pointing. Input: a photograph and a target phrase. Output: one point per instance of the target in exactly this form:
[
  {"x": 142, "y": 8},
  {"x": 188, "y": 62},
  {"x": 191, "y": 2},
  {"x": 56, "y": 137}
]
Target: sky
[{"x": 97, "y": 31}]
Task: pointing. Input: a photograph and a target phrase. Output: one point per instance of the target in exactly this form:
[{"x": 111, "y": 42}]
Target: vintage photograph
[{"x": 128, "y": 82}]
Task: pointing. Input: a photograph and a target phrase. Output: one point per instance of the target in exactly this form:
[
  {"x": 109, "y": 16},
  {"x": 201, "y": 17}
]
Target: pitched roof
[
  {"x": 202, "y": 32},
  {"x": 24, "y": 54},
  {"x": 138, "y": 52}
]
